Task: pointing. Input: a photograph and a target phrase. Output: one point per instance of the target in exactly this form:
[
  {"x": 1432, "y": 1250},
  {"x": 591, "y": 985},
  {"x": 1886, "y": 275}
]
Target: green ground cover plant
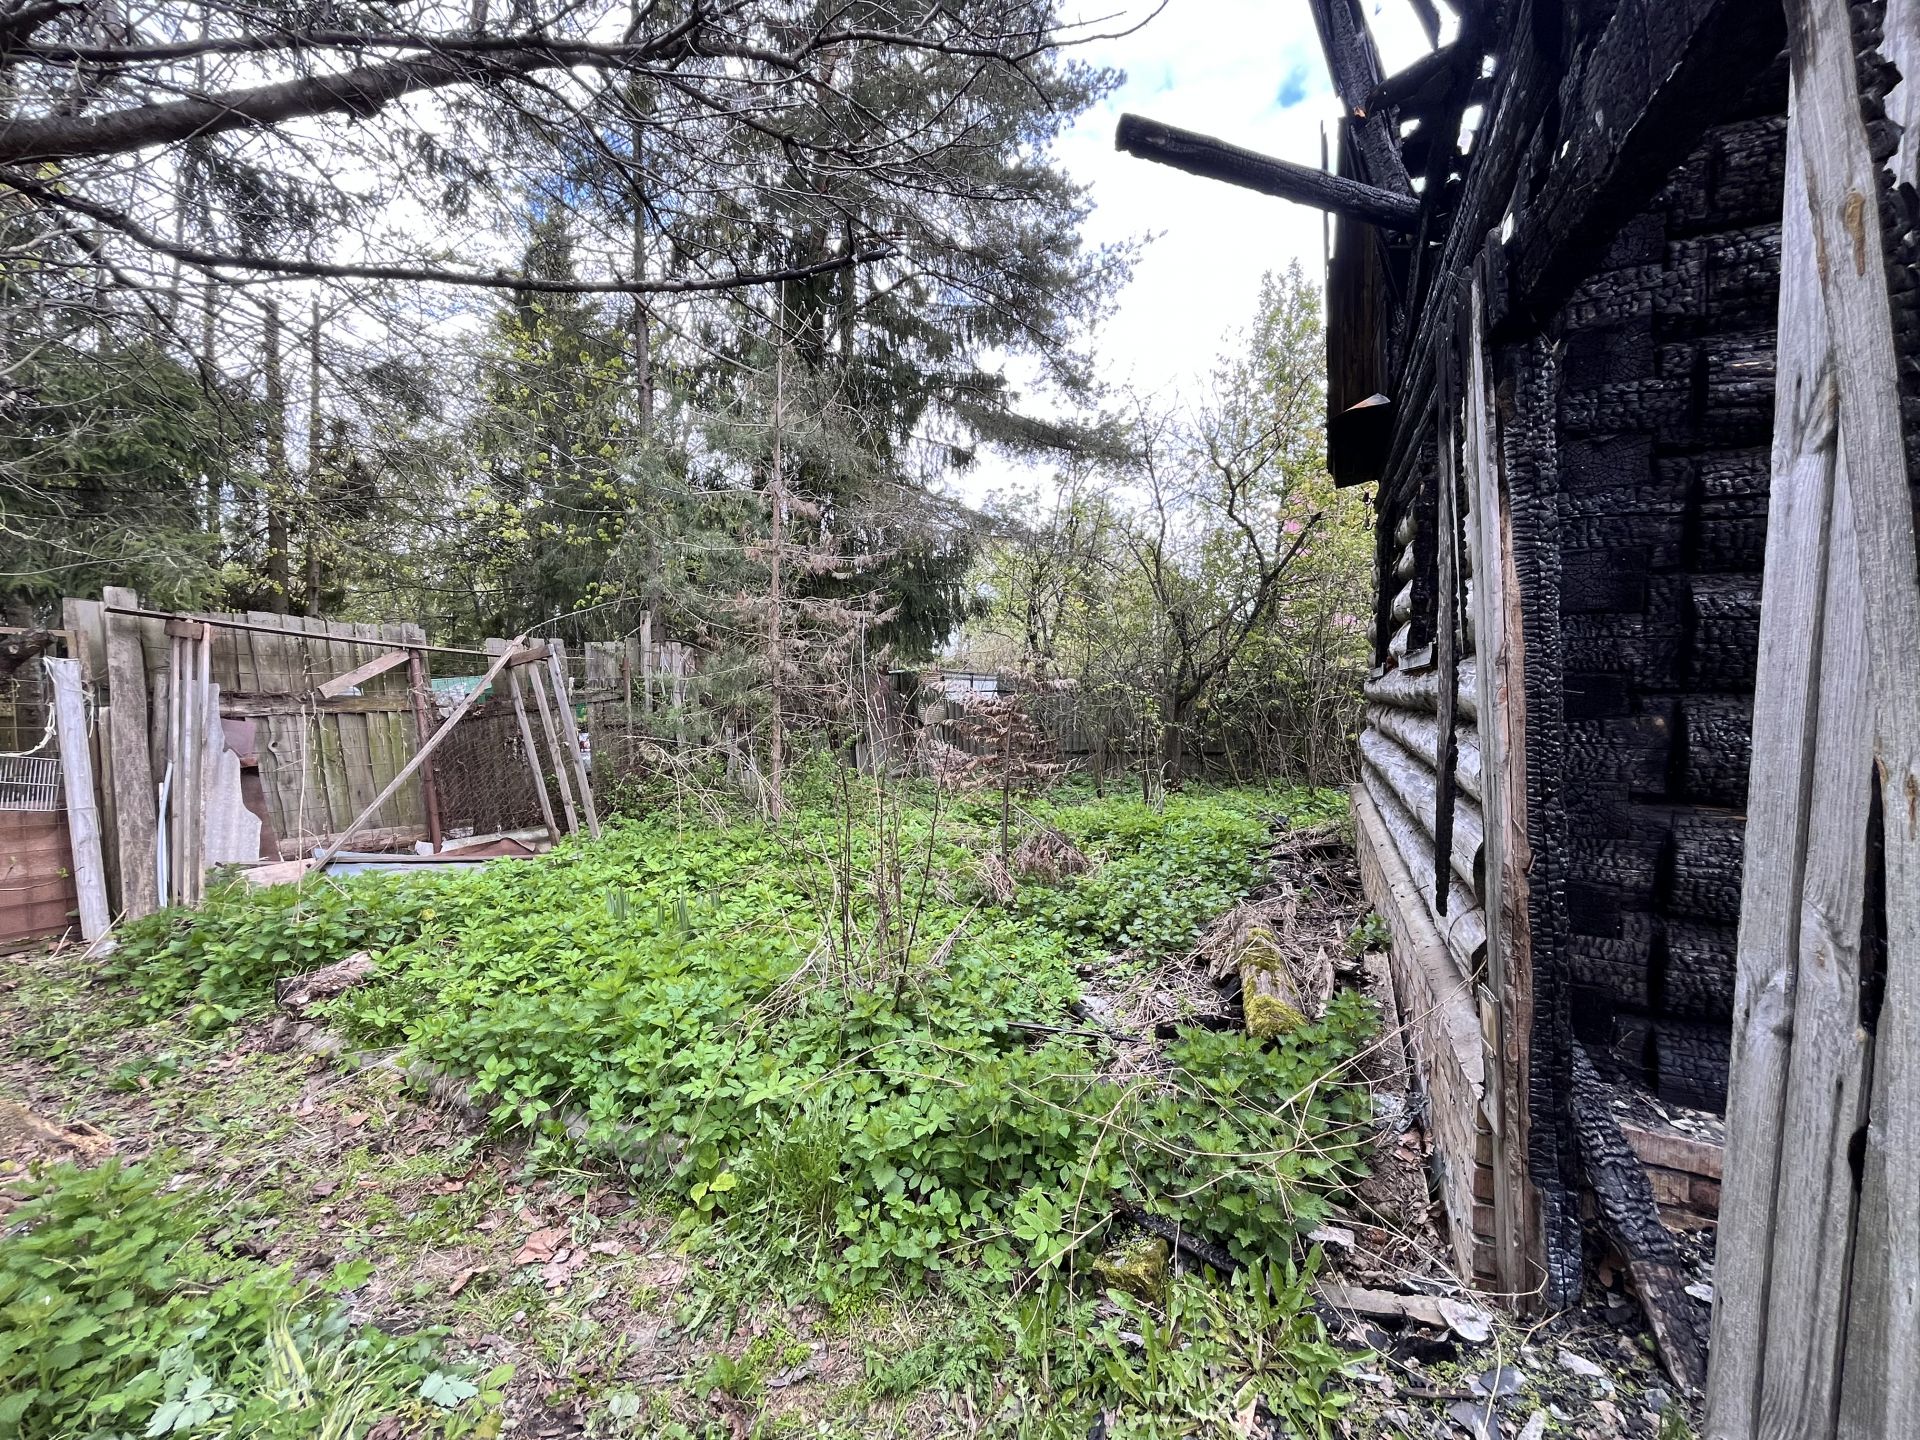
[
  {"x": 119, "y": 1321},
  {"x": 826, "y": 1047}
]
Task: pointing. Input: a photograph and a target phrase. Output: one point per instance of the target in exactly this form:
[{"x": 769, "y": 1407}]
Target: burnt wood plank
[
  {"x": 1212, "y": 159},
  {"x": 1447, "y": 589},
  {"x": 1631, "y": 1218},
  {"x": 1655, "y": 79},
  {"x": 1353, "y": 63},
  {"x": 1527, "y": 380}
]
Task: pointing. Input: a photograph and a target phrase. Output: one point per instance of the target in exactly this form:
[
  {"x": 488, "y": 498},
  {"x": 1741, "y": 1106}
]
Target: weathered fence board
[{"x": 1817, "y": 1308}]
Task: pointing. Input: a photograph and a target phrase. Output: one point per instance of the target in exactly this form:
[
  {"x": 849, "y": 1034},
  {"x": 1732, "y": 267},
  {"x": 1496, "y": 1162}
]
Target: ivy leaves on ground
[
  {"x": 120, "y": 1321},
  {"x": 664, "y": 992},
  {"x": 827, "y": 1037}
]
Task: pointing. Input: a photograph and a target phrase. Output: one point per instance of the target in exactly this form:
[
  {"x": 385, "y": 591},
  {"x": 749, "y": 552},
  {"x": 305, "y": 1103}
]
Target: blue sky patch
[{"x": 1294, "y": 88}]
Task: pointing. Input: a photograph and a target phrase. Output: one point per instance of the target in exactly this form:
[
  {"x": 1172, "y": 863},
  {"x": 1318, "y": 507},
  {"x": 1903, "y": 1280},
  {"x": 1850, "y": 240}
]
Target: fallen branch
[
  {"x": 297, "y": 992},
  {"x": 1185, "y": 1241},
  {"x": 1282, "y": 986}
]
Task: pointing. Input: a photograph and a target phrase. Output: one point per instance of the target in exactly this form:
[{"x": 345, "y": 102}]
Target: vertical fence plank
[
  {"x": 292, "y": 779},
  {"x": 1798, "y": 1246},
  {"x": 512, "y": 685},
  {"x": 570, "y": 733},
  {"x": 1786, "y": 706},
  {"x": 420, "y": 689},
  {"x": 135, "y": 808},
  {"x": 83, "y": 818},
  {"x": 1498, "y": 711},
  {"x": 532, "y": 674}
]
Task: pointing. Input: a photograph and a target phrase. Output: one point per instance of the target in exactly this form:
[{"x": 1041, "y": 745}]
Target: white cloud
[{"x": 1222, "y": 67}]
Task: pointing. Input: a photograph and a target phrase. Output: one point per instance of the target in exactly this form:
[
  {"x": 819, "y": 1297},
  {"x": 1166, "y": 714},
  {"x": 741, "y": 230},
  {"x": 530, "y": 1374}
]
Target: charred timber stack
[
  {"x": 1621, "y": 839},
  {"x": 1561, "y": 381}
]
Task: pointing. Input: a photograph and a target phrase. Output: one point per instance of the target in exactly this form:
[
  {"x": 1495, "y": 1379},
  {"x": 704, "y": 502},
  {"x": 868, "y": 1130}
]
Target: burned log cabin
[{"x": 1600, "y": 427}]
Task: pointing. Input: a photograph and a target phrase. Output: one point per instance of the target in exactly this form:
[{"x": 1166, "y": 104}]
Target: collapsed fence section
[{"x": 38, "y": 892}]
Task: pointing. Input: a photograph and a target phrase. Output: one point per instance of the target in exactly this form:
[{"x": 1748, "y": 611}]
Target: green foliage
[
  {"x": 1370, "y": 934},
  {"x": 1161, "y": 872},
  {"x": 730, "y": 1011},
  {"x": 258, "y": 935},
  {"x": 120, "y": 1322},
  {"x": 1204, "y": 1360},
  {"x": 1213, "y": 1354},
  {"x": 1214, "y": 588},
  {"x": 103, "y": 447}
]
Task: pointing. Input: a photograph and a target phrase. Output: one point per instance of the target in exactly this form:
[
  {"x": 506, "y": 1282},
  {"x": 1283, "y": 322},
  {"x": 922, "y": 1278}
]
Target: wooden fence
[
  {"x": 1817, "y": 1287},
  {"x": 297, "y": 728},
  {"x": 37, "y": 892},
  {"x": 313, "y": 751}
]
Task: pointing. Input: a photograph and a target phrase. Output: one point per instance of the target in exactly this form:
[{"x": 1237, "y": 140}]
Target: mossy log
[{"x": 1281, "y": 987}]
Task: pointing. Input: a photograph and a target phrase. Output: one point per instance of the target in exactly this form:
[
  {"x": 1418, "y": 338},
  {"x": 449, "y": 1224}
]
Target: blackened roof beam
[{"x": 1217, "y": 160}]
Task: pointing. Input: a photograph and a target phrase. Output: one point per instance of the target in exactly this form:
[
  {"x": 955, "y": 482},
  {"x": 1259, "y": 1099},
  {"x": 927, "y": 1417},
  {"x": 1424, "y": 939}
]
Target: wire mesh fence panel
[
  {"x": 37, "y": 895},
  {"x": 483, "y": 775},
  {"x": 30, "y": 782},
  {"x": 26, "y": 711}
]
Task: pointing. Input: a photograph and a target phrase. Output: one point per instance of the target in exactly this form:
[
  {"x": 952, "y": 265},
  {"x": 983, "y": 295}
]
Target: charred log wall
[{"x": 1665, "y": 421}]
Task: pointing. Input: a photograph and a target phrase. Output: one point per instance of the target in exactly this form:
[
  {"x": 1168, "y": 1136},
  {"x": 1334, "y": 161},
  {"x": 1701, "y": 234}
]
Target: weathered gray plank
[
  {"x": 361, "y": 673},
  {"x": 322, "y": 860},
  {"x": 83, "y": 816},
  {"x": 570, "y": 733},
  {"x": 135, "y": 807},
  {"x": 1793, "y": 1250},
  {"x": 1843, "y": 195},
  {"x": 533, "y": 674},
  {"x": 526, "y": 744},
  {"x": 1786, "y": 706},
  {"x": 1825, "y": 1096},
  {"x": 1843, "y": 191},
  {"x": 420, "y": 697},
  {"x": 1499, "y": 773}
]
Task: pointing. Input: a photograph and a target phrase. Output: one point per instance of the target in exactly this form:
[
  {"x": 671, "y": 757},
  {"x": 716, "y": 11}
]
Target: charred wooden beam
[
  {"x": 1524, "y": 87},
  {"x": 1213, "y": 159},
  {"x": 1631, "y": 1218},
  {"x": 1425, "y": 76},
  {"x": 1353, "y": 61},
  {"x": 1429, "y": 16},
  {"x": 1446, "y": 554}
]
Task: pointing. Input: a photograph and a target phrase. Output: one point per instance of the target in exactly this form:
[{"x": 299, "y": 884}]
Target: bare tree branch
[{"x": 213, "y": 260}]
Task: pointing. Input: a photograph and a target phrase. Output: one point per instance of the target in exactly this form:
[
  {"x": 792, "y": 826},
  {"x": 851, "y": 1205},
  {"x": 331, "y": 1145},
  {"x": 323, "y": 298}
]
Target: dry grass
[
  {"x": 1047, "y": 854},
  {"x": 998, "y": 879}
]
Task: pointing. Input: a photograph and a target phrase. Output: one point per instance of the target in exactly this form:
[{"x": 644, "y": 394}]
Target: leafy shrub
[
  {"x": 1160, "y": 873},
  {"x": 695, "y": 1000},
  {"x": 119, "y": 1322},
  {"x": 226, "y": 957}
]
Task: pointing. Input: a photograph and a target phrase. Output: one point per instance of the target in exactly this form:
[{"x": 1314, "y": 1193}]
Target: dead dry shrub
[{"x": 1047, "y": 854}]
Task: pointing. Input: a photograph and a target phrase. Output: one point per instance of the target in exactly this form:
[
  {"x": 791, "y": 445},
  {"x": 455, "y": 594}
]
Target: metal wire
[{"x": 30, "y": 782}]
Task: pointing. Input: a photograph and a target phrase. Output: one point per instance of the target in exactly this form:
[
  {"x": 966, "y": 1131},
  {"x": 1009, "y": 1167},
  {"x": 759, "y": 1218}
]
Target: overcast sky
[{"x": 1247, "y": 71}]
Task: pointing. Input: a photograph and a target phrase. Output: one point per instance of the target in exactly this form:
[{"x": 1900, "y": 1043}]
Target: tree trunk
[
  {"x": 641, "y": 321},
  {"x": 776, "y": 637},
  {"x": 1173, "y": 743},
  {"x": 315, "y": 484},
  {"x": 279, "y": 580}
]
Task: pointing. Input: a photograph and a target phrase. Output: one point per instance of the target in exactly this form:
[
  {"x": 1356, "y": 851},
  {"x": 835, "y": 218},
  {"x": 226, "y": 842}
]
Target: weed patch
[
  {"x": 847, "y": 1068},
  {"x": 120, "y": 1321}
]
